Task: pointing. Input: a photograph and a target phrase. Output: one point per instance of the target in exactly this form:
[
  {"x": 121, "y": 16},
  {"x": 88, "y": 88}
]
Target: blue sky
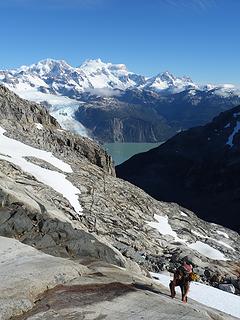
[{"x": 199, "y": 38}]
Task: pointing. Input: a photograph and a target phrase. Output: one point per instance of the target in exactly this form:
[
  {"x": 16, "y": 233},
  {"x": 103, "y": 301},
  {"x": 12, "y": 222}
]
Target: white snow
[
  {"x": 207, "y": 250},
  {"x": 209, "y": 296},
  {"x": 95, "y": 74},
  {"x": 212, "y": 239},
  {"x": 223, "y": 234},
  {"x": 32, "y": 94},
  {"x": 164, "y": 227},
  {"x": 224, "y": 244},
  {"x": 167, "y": 81},
  {"x": 183, "y": 214},
  {"x": 39, "y": 126},
  {"x": 235, "y": 130},
  {"x": 14, "y": 151}
]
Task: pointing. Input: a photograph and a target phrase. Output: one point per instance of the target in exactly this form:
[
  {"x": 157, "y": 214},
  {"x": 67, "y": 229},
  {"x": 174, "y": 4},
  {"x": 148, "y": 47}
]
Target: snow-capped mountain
[
  {"x": 95, "y": 76},
  {"x": 169, "y": 83},
  {"x": 58, "y": 77},
  {"x": 108, "y": 102}
]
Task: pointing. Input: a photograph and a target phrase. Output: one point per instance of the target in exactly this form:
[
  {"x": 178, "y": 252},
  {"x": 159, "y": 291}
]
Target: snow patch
[
  {"x": 235, "y": 131},
  {"x": 223, "y": 234},
  {"x": 213, "y": 239},
  {"x": 183, "y": 214},
  {"x": 164, "y": 227},
  {"x": 15, "y": 152},
  {"x": 207, "y": 250},
  {"x": 39, "y": 126},
  {"x": 224, "y": 244}
]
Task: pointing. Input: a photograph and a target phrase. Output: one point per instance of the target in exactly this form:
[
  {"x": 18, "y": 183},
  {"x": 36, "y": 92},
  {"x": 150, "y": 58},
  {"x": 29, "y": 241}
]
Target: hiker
[{"x": 182, "y": 278}]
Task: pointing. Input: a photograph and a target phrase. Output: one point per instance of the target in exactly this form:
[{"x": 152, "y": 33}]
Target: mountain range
[{"x": 109, "y": 103}]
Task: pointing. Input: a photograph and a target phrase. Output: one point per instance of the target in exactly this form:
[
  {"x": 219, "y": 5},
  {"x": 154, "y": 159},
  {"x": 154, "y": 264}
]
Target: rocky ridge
[{"x": 115, "y": 222}]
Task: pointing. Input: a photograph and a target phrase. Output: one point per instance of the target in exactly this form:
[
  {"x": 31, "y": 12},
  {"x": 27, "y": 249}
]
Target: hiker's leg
[
  {"x": 173, "y": 284},
  {"x": 172, "y": 288},
  {"x": 185, "y": 290}
]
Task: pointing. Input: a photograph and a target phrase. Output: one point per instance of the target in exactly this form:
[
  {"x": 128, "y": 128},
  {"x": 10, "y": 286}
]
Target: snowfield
[
  {"x": 209, "y": 296},
  {"x": 15, "y": 152},
  {"x": 164, "y": 228},
  {"x": 206, "y": 250}
]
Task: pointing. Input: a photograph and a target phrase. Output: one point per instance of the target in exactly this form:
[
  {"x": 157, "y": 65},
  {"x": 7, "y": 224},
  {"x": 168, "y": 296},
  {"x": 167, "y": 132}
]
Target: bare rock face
[
  {"x": 26, "y": 273},
  {"x": 38, "y": 223}
]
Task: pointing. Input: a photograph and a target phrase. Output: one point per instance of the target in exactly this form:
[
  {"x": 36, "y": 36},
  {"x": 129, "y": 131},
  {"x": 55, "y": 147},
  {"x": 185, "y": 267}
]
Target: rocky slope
[
  {"x": 196, "y": 168},
  {"x": 110, "y": 103},
  {"x": 58, "y": 194},
  {"x": 46, "y": 287}
]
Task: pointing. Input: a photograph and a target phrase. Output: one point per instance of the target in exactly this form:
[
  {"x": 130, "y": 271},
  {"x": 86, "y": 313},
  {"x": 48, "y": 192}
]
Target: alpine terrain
[
  {"x": 107, "y": 102},
  {"x": 78, "y": 243}
]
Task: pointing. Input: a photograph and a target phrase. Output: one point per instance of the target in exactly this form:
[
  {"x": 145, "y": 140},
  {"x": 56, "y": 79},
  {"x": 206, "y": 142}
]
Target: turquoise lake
[{"x": 120, "y": 152}]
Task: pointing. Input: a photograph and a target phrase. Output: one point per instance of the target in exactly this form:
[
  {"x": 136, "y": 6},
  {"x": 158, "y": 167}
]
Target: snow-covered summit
[
  {"x": 44, "y": 67},
  {"x": 108, "y": 75},
  {"x": 59, "y": 77},
  {"x": 166, "y": 81}
]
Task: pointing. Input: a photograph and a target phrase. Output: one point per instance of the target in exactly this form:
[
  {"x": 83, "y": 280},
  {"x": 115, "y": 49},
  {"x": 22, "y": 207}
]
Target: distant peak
[
  {"x": 44, "y": 66},
  {"x": 50, "y": 61},
  {"x": 92, "y": 62},
  {"x": 166, "y": 75}
]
